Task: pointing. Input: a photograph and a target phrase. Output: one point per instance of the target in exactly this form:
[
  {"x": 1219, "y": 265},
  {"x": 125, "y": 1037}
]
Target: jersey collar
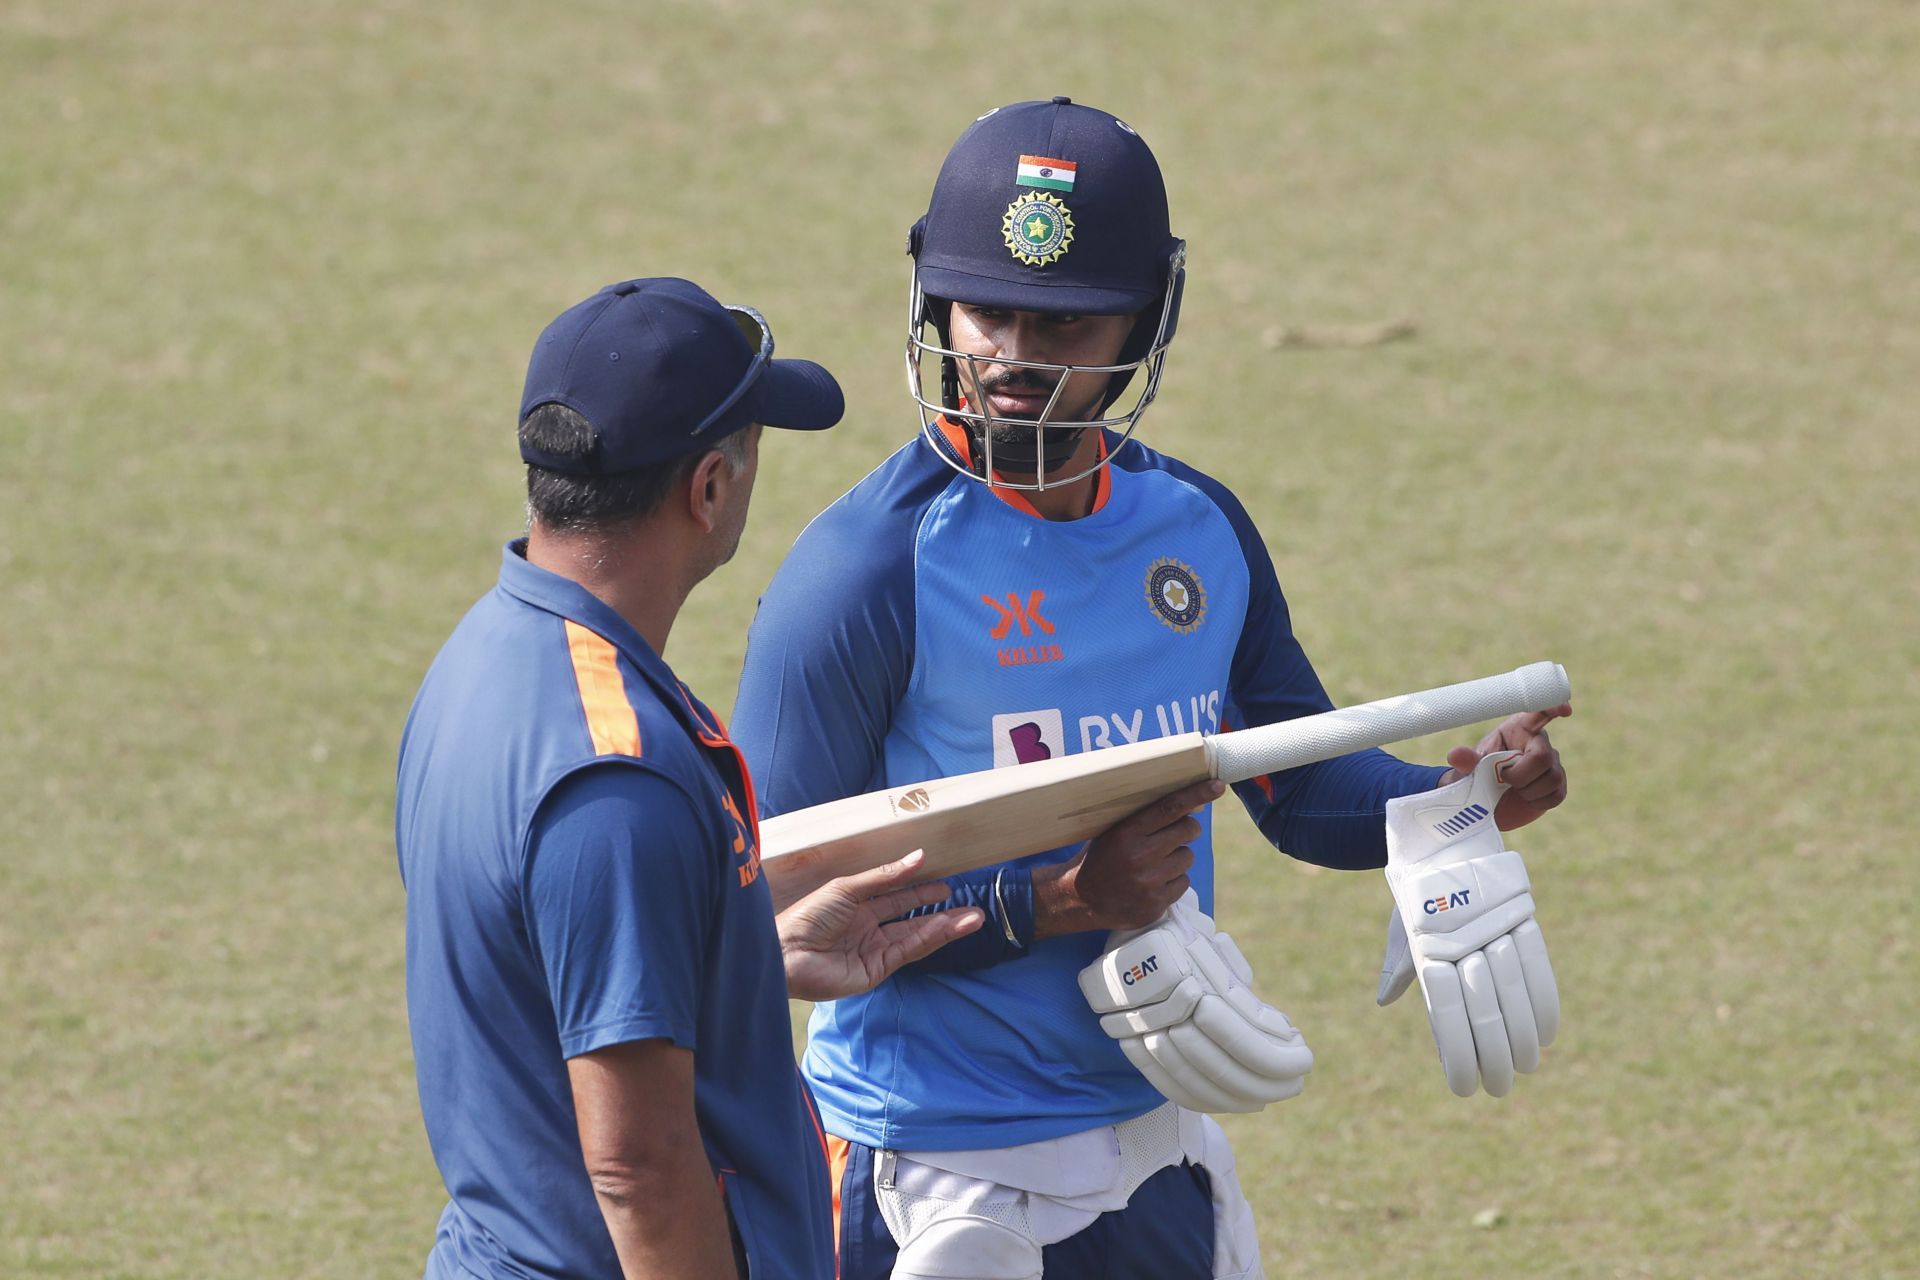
[
  {"x": 564, "y": 598},
  {"x": 962, "y": 445}
]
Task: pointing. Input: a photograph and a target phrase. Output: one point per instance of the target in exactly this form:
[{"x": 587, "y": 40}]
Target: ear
[{"x": 705, "y": 490}]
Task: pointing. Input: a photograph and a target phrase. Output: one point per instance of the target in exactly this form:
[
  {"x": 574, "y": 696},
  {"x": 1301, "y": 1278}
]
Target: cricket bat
[{"x": 977, "y": 819}]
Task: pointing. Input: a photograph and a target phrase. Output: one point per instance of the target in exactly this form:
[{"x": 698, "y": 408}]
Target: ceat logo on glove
[
  {"x": 1141, "y": 970},
  {"x": 1458, "y": 898}
]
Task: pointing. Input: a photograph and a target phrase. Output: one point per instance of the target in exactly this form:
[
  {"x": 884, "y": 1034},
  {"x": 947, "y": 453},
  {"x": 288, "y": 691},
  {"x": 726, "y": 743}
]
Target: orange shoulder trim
[{"x": 603, "y": 694}]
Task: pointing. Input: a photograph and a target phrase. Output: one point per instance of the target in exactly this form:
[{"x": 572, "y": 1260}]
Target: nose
[{"x": 1024, "y": 337}]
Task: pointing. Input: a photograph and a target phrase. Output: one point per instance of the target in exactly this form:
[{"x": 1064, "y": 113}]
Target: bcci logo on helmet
[{"x": 1037, "y": 228}]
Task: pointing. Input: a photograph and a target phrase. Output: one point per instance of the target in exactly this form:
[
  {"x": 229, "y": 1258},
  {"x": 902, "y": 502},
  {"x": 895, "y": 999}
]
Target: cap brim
[
  {"x": 1032, "y": 295},
  {"x": 798, "y": 395}
]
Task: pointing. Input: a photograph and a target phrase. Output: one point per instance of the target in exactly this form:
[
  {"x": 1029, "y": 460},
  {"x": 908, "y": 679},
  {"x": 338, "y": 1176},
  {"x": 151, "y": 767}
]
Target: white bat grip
[{"x": 1235, "y": 757}]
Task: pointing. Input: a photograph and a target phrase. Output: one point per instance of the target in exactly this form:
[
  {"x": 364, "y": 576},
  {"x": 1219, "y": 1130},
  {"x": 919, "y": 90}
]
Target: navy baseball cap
[
  {"x": 1047, "y": 206},
  {"x": 659, "y": 368}
]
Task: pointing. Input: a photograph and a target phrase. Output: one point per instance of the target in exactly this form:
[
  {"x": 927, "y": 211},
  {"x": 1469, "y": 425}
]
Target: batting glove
[
  {"x": 1463, "y": 923},
  {"x": 1178, "y": 997}
]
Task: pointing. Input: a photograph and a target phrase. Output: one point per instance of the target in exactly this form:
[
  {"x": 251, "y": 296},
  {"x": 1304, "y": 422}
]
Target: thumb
[{"x": 1463, "y": 759}]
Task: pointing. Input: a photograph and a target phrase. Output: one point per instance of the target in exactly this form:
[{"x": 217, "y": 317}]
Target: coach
[{"x": 596, "y": 983}]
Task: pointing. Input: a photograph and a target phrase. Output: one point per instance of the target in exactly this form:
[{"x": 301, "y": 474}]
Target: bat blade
[{"x": 974, "y": 820}]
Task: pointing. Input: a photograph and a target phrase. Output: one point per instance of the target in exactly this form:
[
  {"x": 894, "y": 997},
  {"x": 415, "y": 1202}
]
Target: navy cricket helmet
[{"x": 1050, "y": 207}]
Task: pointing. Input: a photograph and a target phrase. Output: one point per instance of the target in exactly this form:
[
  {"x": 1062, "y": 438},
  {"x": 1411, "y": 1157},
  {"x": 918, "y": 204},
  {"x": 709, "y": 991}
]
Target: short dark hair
[{"x": 581, "y": 504}]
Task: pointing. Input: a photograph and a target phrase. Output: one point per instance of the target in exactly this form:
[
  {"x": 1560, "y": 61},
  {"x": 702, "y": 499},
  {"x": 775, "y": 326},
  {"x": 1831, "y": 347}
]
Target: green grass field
[{"x": 268, "y": 277}]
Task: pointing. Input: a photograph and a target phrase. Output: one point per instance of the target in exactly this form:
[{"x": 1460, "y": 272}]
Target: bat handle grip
[{"x": 1288, "y": 744}]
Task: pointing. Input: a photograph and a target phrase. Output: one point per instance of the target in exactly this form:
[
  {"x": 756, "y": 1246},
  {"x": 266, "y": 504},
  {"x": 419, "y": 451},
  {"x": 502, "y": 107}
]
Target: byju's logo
[
  {"x": 1462, "y": 820},
  {"x": 1026, "y": 736}
]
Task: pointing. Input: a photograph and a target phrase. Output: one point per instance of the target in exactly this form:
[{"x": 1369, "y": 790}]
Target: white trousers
[{"x": 986, "y": 1215}]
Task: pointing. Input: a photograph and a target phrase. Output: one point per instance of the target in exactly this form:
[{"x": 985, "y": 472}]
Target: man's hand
[
  {"x": 1128, "y": 875},
  {"x": 1535, "y": 779},
  {"x": 845, "y": 937}
]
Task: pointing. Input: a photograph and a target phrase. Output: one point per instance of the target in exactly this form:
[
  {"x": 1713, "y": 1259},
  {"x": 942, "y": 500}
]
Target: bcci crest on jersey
[{"x": 1174, "y": 591}]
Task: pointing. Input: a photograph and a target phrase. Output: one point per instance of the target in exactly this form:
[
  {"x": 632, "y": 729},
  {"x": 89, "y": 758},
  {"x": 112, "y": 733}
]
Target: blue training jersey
[
  {"x": 581, "y": 862},
  {"x": 924, "y": 626}
]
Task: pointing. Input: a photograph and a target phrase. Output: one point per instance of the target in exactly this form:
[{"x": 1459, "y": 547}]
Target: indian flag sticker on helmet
[
  {"x": 1045, "y": 171},
  {"x": 1037, "y": 228}
]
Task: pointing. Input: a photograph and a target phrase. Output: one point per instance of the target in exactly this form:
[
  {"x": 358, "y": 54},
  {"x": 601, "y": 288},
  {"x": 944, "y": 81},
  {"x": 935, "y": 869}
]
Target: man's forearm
[
  {"x": 1331, "y": 813},
  {"x": 667, "y": 1219},
  {"x": 1005, "y": 895},
  {"x": 648, "y": 1166}
]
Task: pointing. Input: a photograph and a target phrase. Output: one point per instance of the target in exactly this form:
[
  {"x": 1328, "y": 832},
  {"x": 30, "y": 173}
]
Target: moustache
[{"x": 1021, "y": 380}]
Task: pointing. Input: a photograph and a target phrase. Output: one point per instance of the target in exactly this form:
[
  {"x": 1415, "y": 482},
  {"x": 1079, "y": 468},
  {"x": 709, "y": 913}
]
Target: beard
[{"x": 1018, "y": 445}]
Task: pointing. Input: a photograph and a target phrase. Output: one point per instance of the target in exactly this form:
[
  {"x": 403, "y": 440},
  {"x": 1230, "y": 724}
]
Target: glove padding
[
  {"x": 1463, "y": 922},
  {"x": 1179, "y": 998}
]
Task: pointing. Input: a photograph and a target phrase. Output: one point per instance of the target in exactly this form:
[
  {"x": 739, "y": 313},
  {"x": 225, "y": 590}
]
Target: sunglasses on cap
[{"x": 754, "y": 328}]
